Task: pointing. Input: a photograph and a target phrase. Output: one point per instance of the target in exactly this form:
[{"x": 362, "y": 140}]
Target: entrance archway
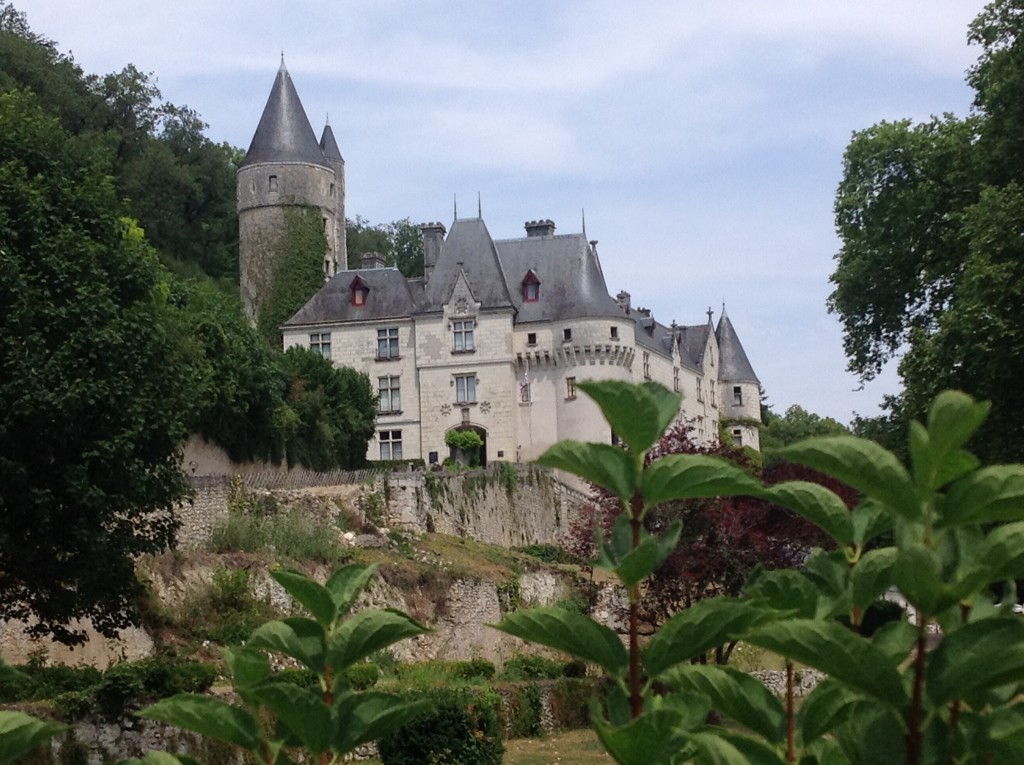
[{"x": 457, "y": 456}]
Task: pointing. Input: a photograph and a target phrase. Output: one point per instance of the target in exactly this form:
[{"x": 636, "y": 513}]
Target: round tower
[{"x": 283, "y": 168}]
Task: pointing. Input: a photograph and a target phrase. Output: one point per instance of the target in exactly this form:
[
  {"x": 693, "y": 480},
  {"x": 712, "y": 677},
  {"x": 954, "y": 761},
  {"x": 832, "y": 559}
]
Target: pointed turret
[
  {"x": 284, "y": 133},
  {"x": 329, "y": 146},
  {"x": 734, "y": 366}
]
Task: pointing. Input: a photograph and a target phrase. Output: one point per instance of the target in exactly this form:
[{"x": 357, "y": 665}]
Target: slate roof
[
  {"x": 328, "y": 144},
  {"x": 390, "y": 296},
  {"x": 572, "y": 285},
  {"x": 469, "y": 248},
  {"x": 284, "y": 133},
  {"x": 735, "y": 367}
]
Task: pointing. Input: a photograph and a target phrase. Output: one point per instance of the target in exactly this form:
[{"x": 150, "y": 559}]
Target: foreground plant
[
  {"x": 327, "y": 722},
  {"x": 956, "y": 531}
]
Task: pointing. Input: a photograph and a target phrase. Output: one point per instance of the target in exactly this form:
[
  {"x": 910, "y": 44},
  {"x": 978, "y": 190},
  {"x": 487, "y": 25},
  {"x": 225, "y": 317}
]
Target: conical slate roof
[
  {"x": 328, "y": 145},
  {"x": 735, "y": 367},
  {"x": 284, "y": 133}
]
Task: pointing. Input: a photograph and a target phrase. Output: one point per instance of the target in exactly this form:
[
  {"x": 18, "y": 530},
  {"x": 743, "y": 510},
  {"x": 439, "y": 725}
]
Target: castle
[{"x": 497, "y": 333}]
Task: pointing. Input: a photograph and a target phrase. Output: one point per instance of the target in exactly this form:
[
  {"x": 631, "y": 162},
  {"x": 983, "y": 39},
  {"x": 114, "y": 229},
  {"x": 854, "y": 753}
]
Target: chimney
[
  {"x": 372, "y": 260},
  {"x": 433, "y": 239},
  {"x": 544, "y": 227},
  {"x": 623, "y": 300}
]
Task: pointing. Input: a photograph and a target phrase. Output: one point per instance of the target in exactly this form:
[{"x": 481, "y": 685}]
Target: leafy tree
[
  {"x": 930, "y": 266},
  {"x": 797, "y": 424},
  {"x": 332, "y": 412},
  {"x": 93, "y": 415},
  {"x": 400, "y": 242}
]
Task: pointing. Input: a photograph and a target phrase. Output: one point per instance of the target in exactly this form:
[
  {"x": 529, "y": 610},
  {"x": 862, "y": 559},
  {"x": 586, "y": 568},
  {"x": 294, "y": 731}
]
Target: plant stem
[
  {"x": 636, "y": 702},
  {"x": 914, "y": 724},
  {"x": 790, "y": 749}
]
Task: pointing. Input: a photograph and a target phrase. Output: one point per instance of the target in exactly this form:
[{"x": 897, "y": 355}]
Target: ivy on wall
[{"x": 299, "y": 273}]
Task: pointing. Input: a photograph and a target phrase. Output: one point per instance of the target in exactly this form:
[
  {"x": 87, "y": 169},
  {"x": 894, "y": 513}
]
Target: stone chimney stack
[
  {"x": 623, "y": 300},
  {"x": 544, "y": 227},
  {"x": 433, "y": 240},
  {"x": 372, "y": 260}
]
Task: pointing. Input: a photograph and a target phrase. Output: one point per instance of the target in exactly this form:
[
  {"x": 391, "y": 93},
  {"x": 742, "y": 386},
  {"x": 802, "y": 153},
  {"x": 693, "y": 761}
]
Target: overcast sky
[{"x": 703, "y": 140}]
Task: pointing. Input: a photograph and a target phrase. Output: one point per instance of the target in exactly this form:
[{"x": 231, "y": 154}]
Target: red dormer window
[
  {"x": 359, "y": 292},
  {"x": 531, "y": 287}
]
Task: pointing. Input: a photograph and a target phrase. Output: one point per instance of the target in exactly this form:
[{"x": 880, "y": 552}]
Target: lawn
[{"x": 574, "y": 747}]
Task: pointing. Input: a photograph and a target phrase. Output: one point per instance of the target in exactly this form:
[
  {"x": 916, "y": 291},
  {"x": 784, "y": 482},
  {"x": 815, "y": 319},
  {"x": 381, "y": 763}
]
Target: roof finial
[
  {"x": 282, "y": 60},
  {"x": 327, "y": 120},
  {"x": 479, "y": 207},
  {"x": 583, "y": 214},
  {"x": 710, "y": 314},
  {"x": 455, "y": 206}
]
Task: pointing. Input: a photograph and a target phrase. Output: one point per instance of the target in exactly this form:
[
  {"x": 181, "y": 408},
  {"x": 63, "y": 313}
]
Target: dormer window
[
  {"x": 359, "y": 292},
  {"x": 531, "y": 287}
]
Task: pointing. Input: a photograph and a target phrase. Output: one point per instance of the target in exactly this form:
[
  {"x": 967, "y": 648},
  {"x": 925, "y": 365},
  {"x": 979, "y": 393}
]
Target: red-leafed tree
[{"x": 723, "y": 540}]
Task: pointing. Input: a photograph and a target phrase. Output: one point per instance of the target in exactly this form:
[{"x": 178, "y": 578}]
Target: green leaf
[
  {"x": 917, "y": 573},
  {"x": 837, "y": 652},
  {"x": 999, "y": 557},
  {"x": 300, "y": 638},
  {"x": 657, "y": 736},
  {"x": 869, "y": 519},
  {"x": 785, "y": 590},
  {"x": 246, "y": 666},
  {"x": 985, "y": 496},
  {"x": 572, "y": 633},
  {"x": 826, "y": 707},
  {"x": 605, "y": 465},
  {"x": 829, "y": 572},
  {"x": 314, "y": 597},
  {"x": 365, "y": 717},
  {"x": 953, "y": 419},
  {"x": 638, "y": 414},
  {"x": 618, "y": 544},
  {"x": 862, "y": 465},
  {"x": 754, "y": 752},
  {"x": 872, "y": 576},
  {"x": 698, "y": 629},
  {"x": 735, "y": 694},
  {"x": 207, "y": 717},
  {"x": 301, "y": 710},
  {"x": 346, "y": 583},
  {"x": 819, "y": 505},
  {"x": 715, "y": 750},
  {"x": 644, "y": 559},
  {"x": 21, "y": 733},
  {"x": 873, "y": 733},
  {"x": 369, "y": 631},
  {"x": 978, "y": 657},
  {"x": 895, "y": 640},
  {"x": 684, "y": 476}
]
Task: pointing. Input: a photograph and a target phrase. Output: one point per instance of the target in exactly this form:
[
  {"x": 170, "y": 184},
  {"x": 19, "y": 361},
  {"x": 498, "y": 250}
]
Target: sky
[{"x": 702, "y": 142}]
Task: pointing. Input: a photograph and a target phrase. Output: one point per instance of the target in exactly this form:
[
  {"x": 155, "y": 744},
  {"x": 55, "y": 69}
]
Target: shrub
[
  {"x": 462, "y": 729},
  {"x": 532, "y": 668},
  {"x": 570, "y": 702},
  {"x": 525, "y": 711},
  {"x": 362, "y": 676}
]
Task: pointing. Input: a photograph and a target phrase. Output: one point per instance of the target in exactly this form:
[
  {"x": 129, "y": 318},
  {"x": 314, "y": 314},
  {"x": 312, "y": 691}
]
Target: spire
[
  {"x": 328, "y": 145},
  {"x": 284, "y": 133},
  {"x": 479, "y": 207},
  {"x": 734, "y": 367}
]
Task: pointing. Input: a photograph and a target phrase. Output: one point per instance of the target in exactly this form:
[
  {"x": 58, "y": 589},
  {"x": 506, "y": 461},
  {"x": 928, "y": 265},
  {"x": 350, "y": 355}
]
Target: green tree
[
  {"x": 93, "y": 414},
  {"x": 930, "y": 265},
  {"x": 333, "y": 411},
  {"x": 400, "y": 242},
  {"x": 796, "y": 424}
]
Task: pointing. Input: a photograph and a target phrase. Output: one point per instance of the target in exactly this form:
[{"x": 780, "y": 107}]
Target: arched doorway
[{"x": 463, "y": 456}]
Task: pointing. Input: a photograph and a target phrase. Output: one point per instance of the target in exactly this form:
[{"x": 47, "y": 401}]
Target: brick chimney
[
  {"x": 372, "y": 260},
  {"x": 433, "y": 239},
  {"x": 544, "y": 227}
]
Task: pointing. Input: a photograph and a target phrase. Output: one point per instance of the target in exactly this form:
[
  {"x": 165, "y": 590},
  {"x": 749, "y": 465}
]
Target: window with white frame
[
  {"x": 387, "y": 343},
  {"x": 465, "y": 389},
  {"x": 712, "y": 384},
  {"x": 647, "y": 365},
  {"x": 320, "y": 342},
  {"x": 737, "y": 436},
  {"x": 390, "y": 444},
  {"x": 700, "y": 390},
  {"x": 570, "y": 387},
  {"x": 737, "y": 395},
  {"x": 462, "y": 335},
  {"x": 389, "y": 397},
  {"x": 675, "y": 379}
]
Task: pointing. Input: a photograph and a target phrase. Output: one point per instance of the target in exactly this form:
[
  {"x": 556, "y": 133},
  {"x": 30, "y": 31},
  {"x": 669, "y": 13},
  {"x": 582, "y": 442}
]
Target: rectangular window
[
  {"x": 389, "y": 395},
  {"x": 737, "y": 395},
  {"x": 531, "y": 338},
  {"x": 570, "y": 387},
  {"x": 387, "y": 343},
  {"x": 390, "y": 444},
  {"x": 647, "y": 365},
  {"x": 700, "y": 392},
  {"x": 614, "y": 333},
  {"x": 462, "y": 332},
  {"x": 320, "y": 342},
  {"x": 567, "y": 335},
  {"x": 524, "y": 393},
  {"x": 465, "y": 389},
  {"x": 675, "y": 379},
  {"x": 711, "y": 383},
  {"x": 737, "y": 436},
  {"x": 272, "y": 183}
]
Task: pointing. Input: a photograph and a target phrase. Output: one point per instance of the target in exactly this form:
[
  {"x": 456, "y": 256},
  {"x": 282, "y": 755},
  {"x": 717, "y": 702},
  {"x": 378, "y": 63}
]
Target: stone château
[{"x": 497, "y": 333}]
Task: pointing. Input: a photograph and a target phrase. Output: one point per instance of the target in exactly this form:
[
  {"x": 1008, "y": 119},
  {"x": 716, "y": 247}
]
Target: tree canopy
[
  {"x": 931, "y": 267},
  {"x": 400, "y": 242}
]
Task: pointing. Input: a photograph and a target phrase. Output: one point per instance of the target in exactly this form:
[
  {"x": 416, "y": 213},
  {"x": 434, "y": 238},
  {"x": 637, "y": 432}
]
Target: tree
[
  {"x": 400, "y": 242},
  {"x": 796, "y": 424},
  {"x": 93, "y": 415},
  {"x": 930, "y": 266}
]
